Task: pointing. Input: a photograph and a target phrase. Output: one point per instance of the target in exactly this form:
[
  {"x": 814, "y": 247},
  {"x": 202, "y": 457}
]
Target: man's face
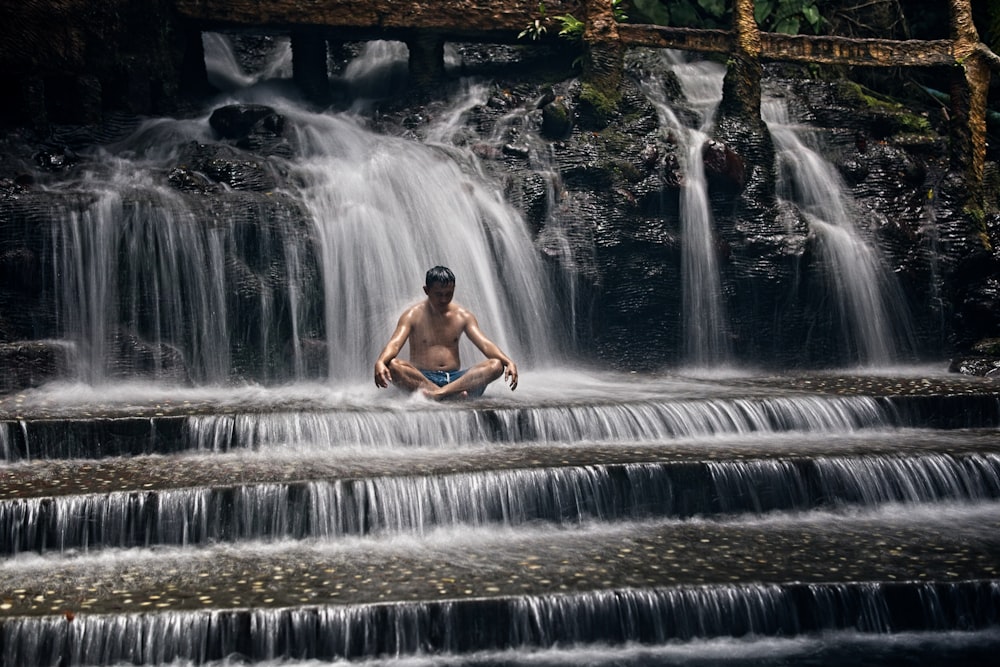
[{"x": 440, "y": 295}]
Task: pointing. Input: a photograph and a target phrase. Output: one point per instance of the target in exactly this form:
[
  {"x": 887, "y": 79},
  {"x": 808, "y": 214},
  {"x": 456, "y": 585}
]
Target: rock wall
[{"x": 66, "y": 61}]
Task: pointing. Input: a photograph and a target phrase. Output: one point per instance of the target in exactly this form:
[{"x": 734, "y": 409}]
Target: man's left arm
[{"x": 491, "y": 350}]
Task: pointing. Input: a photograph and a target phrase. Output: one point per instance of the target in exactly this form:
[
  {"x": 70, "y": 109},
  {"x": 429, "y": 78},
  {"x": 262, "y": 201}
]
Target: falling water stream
[
  {"x": 382, "y": 209},
  {"x": 703, "y": 308},
  {"x": 874, "y": 321}
]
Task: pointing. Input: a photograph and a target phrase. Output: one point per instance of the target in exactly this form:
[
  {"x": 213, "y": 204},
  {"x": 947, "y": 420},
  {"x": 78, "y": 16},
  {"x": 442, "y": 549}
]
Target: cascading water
[
  {"x": 385, "y": 210},
  {"x": 382, "y": 211},
  {"x": 865, "y": 296},
  {"x": 705, "y": 323},
  {"x": 874, "y": 321}
]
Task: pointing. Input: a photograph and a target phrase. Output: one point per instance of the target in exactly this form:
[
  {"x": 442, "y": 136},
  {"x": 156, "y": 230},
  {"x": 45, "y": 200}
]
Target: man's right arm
[{"x": 382, "y": 375}]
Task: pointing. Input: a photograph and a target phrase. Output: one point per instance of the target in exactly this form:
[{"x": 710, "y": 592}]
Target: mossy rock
[
  {"x": 597, "y": 107},
  {"x": 889, "y": 117},
  {"x": 988, "y": 346}
]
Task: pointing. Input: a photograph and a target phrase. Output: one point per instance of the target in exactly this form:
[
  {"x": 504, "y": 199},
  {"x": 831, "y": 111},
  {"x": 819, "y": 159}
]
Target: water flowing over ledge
[
  {"x": 418, "y": 504},
  {"x": 653, "y": 616}
]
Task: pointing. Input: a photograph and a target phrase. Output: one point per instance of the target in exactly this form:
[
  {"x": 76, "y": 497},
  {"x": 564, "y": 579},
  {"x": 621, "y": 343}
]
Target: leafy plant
[
  {"x": 570, "y": 27},
  {"x": 536, "y": 29},
  {"x": 788, "y": 16},
  {"x": 618, "y": 11}
]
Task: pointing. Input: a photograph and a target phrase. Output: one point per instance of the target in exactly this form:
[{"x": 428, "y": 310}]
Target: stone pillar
[
  {"x": 602, "y": 63},
  {"x": 426, "y": 60},
  {"x": 739, "y": 125},
  {"x": 193, "y": 74},
  {"x": 969, "y": 88},
  {"x": 309, "y": 65},
  {"x": 741, "y": 87}
]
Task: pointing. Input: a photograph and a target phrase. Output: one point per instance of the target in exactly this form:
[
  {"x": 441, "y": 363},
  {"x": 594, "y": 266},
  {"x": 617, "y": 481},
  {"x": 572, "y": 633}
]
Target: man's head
[
  {"x": 439, "y": 275},
  {"x": 439, "y": 287}
]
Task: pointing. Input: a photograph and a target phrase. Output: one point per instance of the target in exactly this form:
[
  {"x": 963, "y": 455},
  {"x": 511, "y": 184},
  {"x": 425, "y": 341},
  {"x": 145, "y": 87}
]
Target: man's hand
[
  {"x": 510, "y": 375},
  {"x": 382, "y": 375}
]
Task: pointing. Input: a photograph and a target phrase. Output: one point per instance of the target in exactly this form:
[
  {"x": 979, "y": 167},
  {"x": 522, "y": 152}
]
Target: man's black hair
[{"x": 439, "y": 275}]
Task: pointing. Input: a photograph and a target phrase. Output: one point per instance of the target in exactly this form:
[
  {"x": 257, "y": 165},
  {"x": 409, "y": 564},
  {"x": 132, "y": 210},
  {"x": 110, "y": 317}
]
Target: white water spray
[
  {"x": 149, "y": 263},
  {"x": 705, "y": 323},
  {"x": 865, "y": 294}
]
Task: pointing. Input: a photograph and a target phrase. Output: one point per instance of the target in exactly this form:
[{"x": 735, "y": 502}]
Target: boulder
[
  {"x": 31, "y": 363},
  {"x": 238, "y": 121}
]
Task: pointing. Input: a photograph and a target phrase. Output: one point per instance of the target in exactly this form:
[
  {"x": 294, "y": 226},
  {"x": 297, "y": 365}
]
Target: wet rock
[
  {"x": 724, "y": 166},
  {"x": 237, "y": 121},
  {"x": 11, "y": 188},
  {"x": 134, "y": 356},
  {"x": 517, "y": 150},
  {"x": 557, "y": 119},
  {"x": 979, "y": 366},
  {"x": 853, "y": 170},
  {"x": 26, "y": 364},
  {"x": 240, "y": 174},
  {"x": 204, "y": 165},
  {"x": 55, "y": 159},
  {"x": 989, "y": 346},
  {"x": 190, "y": 180}
]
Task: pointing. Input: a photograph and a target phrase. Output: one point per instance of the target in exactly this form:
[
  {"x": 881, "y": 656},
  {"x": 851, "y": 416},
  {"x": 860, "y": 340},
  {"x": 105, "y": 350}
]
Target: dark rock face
[
  {"x": 32, "y": 363},
  {"x": 68, "y": 61},
  {"x": 238, "y": 121}
]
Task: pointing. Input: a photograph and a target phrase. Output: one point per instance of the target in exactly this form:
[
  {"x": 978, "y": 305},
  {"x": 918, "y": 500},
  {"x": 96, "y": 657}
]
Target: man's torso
[{"x": 434, "y": 337}]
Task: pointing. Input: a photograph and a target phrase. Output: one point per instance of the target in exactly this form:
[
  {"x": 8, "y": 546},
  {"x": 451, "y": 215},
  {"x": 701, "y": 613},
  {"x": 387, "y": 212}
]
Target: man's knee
[
  {"x": 494, "y": 369},
  {"x": 399, "y": 368}
]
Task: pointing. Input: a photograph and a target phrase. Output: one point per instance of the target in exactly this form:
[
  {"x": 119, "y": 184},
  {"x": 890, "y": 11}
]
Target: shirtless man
[{"x": 434, "y": 327}]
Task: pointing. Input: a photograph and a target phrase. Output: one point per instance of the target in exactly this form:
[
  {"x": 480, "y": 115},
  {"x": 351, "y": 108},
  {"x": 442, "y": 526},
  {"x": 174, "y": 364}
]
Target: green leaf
[
  {"x": 788, "y": 25},
  {"x": 811, "y": 12},
  {"x": 685, "y": 15},
  {"x": 653, "y": 10},
  {"x": 716, "y": 8},
  {"x": 762, "y": 9}
]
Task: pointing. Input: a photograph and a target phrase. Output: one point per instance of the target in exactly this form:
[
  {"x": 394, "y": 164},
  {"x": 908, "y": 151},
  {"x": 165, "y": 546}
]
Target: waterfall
[
  {"x": 151, "y": 282},
  {"x": 385, "y": 210},
  {"x": 874, "y": 323},
  {"x": 625, "y": 619},
  {"x": 420, "y": 504},
  {"x": 865, "y": 297},
  {"x": 227, "y": 75},
  {"x": 705, "y": 323}
]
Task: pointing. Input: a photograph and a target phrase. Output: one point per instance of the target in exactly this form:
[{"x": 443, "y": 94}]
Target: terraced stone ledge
[{"x": 640, "y": 556}]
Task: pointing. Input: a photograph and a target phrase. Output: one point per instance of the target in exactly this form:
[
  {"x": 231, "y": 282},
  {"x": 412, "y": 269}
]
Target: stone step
[
  {"x": 144, "y": 501},
  {"x": 890, "y": 570},
  {"x": 163, "y": 429}
]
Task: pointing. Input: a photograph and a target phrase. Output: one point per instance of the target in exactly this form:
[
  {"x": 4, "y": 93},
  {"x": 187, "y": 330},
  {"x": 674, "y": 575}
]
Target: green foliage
[
  {"x": 787, "y": 16},
  {"x": 570, "y": 27},
  {"x": 536, "y": 29},
  {"x": 684, "y": 13},
  {"x": 602, "y": 103},
  {"x": 618, "y": 11},
  {"x": 993, "y": 26}
]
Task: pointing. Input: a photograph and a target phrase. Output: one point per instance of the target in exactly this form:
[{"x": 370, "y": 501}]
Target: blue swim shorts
[{"x": 441, "y": 378}]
